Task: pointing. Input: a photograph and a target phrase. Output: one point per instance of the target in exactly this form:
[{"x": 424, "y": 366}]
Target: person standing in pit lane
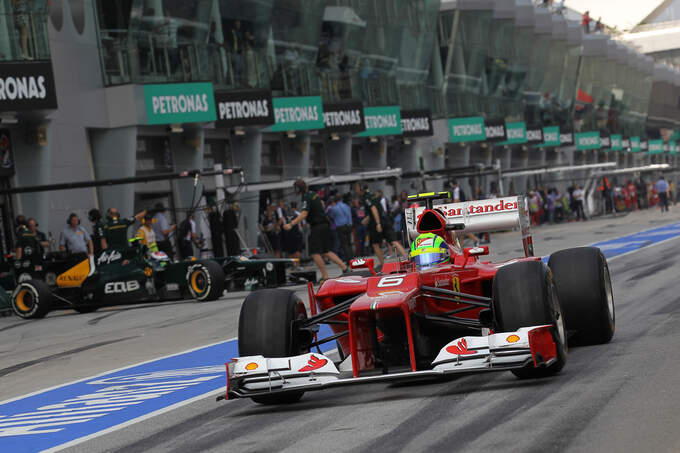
[
  {"x": 162, "y": 229},
  {"x": 28, "y": 245},
  {"x": 319, "y": 240},
  {"x": 662, "y": 188},
  {"x": 379, "y": 226},
  {"x": 40, "y": 236},
  {"x": 98, "y": 226},
  {"x": 146, "y": 233},
  {"x": 115, "y": 232},
  {"x": 75, "y": 239}
]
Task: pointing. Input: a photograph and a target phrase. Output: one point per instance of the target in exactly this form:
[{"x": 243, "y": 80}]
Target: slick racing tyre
[
  {"x": 31, "y": 299},
  {"x": 205, "y": 280},
  {"x": 524, "y": 295},
  {"x": 265, "y": 327},
  {"x": 584, "y": 288}
]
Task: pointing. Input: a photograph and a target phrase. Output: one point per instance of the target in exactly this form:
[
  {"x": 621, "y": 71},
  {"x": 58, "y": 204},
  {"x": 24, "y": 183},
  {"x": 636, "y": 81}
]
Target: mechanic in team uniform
[
  {"x": 312, "y": 210},
  {"x": 116, "y": 228},
  {"x": 379, "y": 226},
  {"x": 98, "y": 226},
  {"x": 28, "y": 245}
]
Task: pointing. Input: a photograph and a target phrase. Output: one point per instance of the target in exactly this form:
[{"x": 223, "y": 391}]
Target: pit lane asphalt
[{"x": 621, "y": 396}]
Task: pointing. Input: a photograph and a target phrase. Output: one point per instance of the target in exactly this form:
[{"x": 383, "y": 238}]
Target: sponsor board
[
  {"x": 466, "y": 129},
  {"x": 635, "y": 144},
  {"x": 297, "y": 114},
  {"x": 566, "y": 138},
  {"x": 495, "y": 131},
  {"x": 644, "y": 145},
  {"x": 170, "y": 103},
  {"x": 534, "y": 135},
  {"x": 385, "y": 120},
  {"x": 587, "y": 140},
  {"x": 344, "y": 117},
  {"x": 625, "y": 144},
  {"x": 416, "y": 123},
  {"x": 655, "y": 147},
  {"x": 615, "y": 142},
  {"x": 672, "y": 147},
  {"x": 27, "y": 86},
  {"x": 516, "y": 132},
  {"x": 551, "y": 136},
  {"x": 605, "y": 141},
  {"x": 244, "y": 108}
]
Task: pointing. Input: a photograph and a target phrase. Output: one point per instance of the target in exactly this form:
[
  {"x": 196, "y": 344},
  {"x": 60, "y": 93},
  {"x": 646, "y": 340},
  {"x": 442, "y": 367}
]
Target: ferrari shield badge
[{"x": 455, "y": 285}]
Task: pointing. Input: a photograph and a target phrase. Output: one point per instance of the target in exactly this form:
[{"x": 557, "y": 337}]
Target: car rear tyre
[
  {"x": 524, "y": 295},
  {"x": 205, "y": 280},
  {"x": 32, "y": 299},
  {"x": 584, "y": 288},
  {"x": 265, "y": 327}
]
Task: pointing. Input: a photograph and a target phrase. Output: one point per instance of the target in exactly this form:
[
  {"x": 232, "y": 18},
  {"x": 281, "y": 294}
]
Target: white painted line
[
  {"x": 144, "y": 417},
  {"x": 134, "y": 420},
  {"x": 115, "y": 371}
]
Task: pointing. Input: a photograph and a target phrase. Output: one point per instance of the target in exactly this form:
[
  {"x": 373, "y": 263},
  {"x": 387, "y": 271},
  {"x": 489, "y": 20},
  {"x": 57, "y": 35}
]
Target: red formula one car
[{"x": 408, "y": 321}]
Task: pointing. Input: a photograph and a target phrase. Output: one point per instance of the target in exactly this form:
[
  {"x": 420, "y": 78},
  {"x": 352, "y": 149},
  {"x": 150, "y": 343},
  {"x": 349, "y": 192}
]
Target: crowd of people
[
  {"x": 554, "y": 206},
  {"x": 338, "y": 227},
  {"x": 150, "y": 227}
]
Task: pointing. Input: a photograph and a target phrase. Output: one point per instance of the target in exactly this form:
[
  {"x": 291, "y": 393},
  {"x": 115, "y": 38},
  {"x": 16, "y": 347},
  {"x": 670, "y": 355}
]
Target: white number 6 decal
[{"x": 386, "y": 282}]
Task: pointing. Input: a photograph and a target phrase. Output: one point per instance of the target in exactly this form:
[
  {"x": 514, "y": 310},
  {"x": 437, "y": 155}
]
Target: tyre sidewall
[{"x": 199, "y": 267}]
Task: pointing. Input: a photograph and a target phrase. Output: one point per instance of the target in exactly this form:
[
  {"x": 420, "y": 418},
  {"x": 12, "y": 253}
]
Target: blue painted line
[
  {"x": 62, "y": 415},
  {"x": 636, "y": 241}
]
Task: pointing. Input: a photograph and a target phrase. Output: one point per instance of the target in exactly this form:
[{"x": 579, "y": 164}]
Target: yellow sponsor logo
[{"x": 75, "y": 276}]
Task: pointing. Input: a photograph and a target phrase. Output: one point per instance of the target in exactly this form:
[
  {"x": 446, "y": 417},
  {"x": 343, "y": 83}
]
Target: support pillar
[
  {"x": 114, "y": 155},
  {"x": 247, "y": 154},
  {"x": 33, "y": 163}
]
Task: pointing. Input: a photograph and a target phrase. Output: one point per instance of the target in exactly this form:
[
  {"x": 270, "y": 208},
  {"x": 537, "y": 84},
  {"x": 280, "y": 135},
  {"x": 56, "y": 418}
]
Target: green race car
[{"x": 119, "y": 277}]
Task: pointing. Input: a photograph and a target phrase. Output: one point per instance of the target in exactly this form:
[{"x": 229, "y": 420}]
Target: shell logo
[
  {"x": 512, "y": 339},
  {"x": 251, "y": 366}
]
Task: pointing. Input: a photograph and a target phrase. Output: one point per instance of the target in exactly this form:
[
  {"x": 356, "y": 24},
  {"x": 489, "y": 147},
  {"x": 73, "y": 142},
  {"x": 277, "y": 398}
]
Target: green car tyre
[{"x": 205, "y": 280}]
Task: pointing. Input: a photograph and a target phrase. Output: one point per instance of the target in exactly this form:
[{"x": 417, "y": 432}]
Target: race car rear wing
[{"x": 495, "y": 214}]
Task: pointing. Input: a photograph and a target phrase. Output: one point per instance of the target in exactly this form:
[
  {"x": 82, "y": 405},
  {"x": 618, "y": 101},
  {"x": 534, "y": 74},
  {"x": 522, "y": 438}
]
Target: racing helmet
[{"x": 429, "y": 250}]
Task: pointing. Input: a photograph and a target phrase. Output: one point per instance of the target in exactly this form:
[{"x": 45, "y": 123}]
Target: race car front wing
[{"x": 257, "y": 375}]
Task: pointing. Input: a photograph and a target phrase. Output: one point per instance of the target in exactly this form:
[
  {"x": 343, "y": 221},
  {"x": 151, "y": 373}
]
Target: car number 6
[{"x": 390, "y": 281}]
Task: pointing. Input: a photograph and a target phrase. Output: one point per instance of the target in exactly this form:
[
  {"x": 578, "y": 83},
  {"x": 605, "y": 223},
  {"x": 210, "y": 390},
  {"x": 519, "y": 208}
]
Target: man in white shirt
[{"x": 579, "y": 197}]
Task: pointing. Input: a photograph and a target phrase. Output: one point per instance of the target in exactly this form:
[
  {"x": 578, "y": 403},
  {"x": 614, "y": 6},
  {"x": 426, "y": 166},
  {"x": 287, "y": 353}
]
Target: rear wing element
[{"x": 495, "y": 214}]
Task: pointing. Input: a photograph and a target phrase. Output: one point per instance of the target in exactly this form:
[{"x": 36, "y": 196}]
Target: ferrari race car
[
  {"x": 116, "y": 277},
  {"x": 412, "y": 321}
]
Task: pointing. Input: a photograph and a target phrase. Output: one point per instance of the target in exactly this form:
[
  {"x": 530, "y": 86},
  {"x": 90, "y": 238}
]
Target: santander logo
[
  {"x": 460, "y": 348},
  {"x": 314, "y": 363},
  {"x": 489, "y": 208}
]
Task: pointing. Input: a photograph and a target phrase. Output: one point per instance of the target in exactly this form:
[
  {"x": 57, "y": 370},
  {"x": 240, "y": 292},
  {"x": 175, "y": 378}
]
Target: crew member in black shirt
[
  {"x": 116, "y": 228},
  {"x": 312, "y": 210},
  {"x": 98, "y": 227},
  {"x": 379, "y": 225}
]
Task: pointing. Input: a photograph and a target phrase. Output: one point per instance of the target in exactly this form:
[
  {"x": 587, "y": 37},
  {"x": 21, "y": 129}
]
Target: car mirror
[
  {"x": 475, "y": 251},
  {"x": 362, "y": 263}
]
